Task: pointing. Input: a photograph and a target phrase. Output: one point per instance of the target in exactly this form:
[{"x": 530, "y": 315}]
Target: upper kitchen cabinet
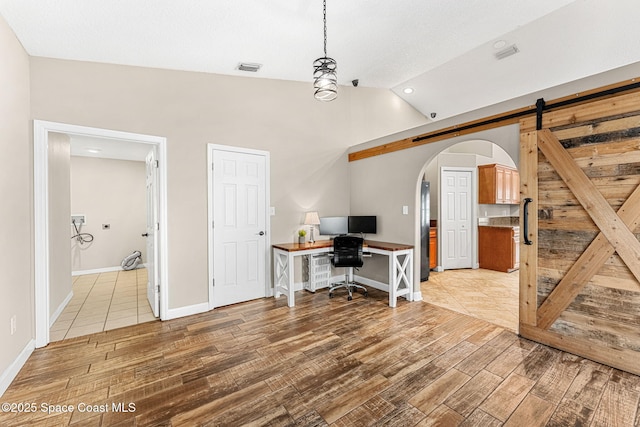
[{"x": 498, "y": 184}]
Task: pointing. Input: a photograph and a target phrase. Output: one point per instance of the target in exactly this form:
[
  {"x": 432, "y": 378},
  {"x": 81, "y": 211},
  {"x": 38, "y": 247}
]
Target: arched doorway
[{"x": 479, "y": 292}]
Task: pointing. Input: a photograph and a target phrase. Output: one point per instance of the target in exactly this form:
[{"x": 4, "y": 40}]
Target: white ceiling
[
  {"x": 444, "y": 49},
  {"x": 108, "y": 148}
]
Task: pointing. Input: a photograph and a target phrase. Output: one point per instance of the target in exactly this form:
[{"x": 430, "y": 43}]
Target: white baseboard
[
  {"x": 103, "y": 270},
  {"x": 174, "y": 313},
  {"x": 12, "y": 371},
  {"x": 61, "y": 307},
  {"x": 373, "y": 283},
  {"x": 95, "y": 271}
]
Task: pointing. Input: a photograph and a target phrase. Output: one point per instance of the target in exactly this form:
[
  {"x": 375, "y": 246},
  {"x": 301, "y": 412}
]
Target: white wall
[
  {"x": 60, "y": 284},
  {"x": 109, "y": 192},
  {"x": 307, "y": 139},
  {"x": 16, "y": 216}
]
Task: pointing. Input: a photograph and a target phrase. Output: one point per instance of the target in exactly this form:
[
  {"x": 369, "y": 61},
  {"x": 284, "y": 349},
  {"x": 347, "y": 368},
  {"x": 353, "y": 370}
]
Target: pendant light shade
[{"x": 325, "y": 79}]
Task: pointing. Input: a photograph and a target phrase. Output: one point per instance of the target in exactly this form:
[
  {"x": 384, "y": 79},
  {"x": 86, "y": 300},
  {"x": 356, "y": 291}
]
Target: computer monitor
[
  {"x": 334, "y": 225},
  {"x": 362, "y": 224}
]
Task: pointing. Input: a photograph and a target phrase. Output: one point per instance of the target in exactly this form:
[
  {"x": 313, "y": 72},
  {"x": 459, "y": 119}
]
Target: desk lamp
[{"x": 312, "y": 219}]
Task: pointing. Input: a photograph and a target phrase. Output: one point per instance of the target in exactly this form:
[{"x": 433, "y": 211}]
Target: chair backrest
[{"x": 347, "y": 251}]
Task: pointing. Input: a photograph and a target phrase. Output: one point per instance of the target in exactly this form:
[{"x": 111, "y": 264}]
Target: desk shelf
[{"x": 317, "y": 271}]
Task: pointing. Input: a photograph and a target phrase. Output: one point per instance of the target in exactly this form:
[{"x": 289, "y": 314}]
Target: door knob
[
  {"x": 145, "y": 234},
  {"x": 261, "y": 233}
]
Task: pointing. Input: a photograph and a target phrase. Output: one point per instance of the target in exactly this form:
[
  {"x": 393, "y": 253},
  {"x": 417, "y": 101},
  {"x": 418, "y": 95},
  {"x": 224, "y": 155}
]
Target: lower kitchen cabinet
[
  {"x": 433, "y": 248},
  {"x": 499, "y": 248}
]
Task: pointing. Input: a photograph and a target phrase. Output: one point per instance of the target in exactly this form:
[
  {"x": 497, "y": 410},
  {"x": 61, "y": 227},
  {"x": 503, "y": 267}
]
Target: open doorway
[
  {"x": 52, "y": 142},
  {"x": 486, "y": 293}
]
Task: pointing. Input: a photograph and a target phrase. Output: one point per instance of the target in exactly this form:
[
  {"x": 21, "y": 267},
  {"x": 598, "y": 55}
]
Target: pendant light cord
[{"x": 324, "y": 13}]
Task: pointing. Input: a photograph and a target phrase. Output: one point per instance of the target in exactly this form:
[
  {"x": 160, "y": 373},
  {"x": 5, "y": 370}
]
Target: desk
[{"x": 400, "y": 267}]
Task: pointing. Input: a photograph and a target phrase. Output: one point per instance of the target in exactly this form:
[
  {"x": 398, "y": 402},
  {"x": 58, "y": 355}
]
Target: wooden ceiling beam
[{"x": 495, "y": 121}]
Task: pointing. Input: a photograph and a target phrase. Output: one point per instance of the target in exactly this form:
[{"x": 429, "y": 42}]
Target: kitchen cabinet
[
  {"x": 433, "y": 248},
  {"x": 498, "y": 184},
  {"x": 499, "y": 248}
]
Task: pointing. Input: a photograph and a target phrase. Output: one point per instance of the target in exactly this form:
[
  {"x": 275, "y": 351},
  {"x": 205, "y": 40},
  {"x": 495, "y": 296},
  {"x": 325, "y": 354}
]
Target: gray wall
[
  {"x": 384, "y": 183},
  {"x": 396, "y": 183},
  {"x": 16, "y": 188},
  {"x": 308, "y": 140}
]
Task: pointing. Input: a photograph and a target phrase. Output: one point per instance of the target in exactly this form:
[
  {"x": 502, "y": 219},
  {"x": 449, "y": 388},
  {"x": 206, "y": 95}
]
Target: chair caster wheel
[
  {"x": 366, "y": 294},
  {"x": 349, "y": 298},
  {"x": 330, "y": 295}
]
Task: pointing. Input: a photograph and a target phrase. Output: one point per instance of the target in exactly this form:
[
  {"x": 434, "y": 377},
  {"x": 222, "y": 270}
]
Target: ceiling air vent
[
  {"x": 507, "y": 51},
  {"x": 252, "y": 68}
]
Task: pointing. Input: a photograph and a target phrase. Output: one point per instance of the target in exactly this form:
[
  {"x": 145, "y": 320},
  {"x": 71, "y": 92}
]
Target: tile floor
[
  {"x": 102, "y": 302},
  {"x": 484, "y": 294}
]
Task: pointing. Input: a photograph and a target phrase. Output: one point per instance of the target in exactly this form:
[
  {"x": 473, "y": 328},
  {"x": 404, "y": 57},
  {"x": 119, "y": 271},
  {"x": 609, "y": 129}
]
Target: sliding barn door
[{"x": 580, "y": 274}]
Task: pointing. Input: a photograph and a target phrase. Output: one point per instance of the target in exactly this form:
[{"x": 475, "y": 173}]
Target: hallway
[
  {"x": 484, "y": 294},
  {"x": 102, "y": 302}
]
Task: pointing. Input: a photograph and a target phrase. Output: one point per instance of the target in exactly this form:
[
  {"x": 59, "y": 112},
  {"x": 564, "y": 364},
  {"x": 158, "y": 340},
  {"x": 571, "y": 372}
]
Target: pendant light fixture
[{"x": 325, "y": 80}]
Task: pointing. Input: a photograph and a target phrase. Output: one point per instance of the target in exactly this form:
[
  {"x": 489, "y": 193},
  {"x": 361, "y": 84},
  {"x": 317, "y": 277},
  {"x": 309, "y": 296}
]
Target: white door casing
[
  {"x": 456, "y": 213},
  {"x": 153, "y": 290},
  {"x": 41, "y": 130},
  {"x": 239, "y": 225}
]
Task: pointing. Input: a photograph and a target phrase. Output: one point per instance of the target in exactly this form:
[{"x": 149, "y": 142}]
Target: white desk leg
[
  {"x": 291, "y": 298},
  {"x": 393, "y": 281},
  {"x": 409, "y": 274},
  {"x": 399, "y": 273},
  {"x": 283, "y": 275}
]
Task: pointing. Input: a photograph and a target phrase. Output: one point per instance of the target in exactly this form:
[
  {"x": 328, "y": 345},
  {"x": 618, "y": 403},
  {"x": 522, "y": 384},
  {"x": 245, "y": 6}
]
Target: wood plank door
[{"x": 580, "y": 274}]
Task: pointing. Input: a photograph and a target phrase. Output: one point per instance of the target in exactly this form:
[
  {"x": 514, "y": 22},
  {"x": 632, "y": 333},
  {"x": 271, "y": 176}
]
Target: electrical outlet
[{"x": 13, "y": 324}]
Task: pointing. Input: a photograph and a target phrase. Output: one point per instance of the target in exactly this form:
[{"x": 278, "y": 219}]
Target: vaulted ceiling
[{"x": 443, "y": 50}]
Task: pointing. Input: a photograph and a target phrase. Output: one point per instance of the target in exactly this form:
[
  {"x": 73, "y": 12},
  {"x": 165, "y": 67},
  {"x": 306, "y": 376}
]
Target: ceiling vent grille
[
  {"x": 508, "y": 51},
  {"x": 252, "y": 68}
]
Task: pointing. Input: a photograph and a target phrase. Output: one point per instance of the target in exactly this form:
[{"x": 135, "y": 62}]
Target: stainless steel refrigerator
[{"x": 425, "y": 220}]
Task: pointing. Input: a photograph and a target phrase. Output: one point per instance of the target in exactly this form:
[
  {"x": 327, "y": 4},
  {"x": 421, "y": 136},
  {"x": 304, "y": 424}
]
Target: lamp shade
[{"x": 311, "y": 218}]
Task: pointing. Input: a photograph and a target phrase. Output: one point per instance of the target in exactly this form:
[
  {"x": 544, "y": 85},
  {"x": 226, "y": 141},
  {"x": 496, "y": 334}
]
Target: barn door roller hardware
[{"x": 539, "y": 110}]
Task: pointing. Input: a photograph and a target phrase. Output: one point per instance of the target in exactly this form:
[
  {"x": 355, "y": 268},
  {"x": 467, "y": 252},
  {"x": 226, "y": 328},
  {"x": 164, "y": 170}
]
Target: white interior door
[
  {"x": 153, "y": 286},
  {"x": 456, "y": 214},
  {"x": 239, "y": 226}
]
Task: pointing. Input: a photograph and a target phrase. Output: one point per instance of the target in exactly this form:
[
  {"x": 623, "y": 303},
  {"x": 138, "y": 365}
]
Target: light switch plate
[{"x": 405, "y": 210}]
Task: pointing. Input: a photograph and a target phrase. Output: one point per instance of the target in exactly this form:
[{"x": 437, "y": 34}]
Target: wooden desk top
[{"x": 320, "y": 244}]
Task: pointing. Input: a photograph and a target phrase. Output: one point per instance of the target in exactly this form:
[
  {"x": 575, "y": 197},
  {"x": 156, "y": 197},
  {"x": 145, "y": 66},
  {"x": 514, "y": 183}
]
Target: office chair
[{"x": 347, "y": 252}]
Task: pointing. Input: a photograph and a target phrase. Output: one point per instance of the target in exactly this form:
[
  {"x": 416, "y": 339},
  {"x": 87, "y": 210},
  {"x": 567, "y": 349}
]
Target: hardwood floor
[
  {"x": 484, "y": 294},
  {"x": 323, "y": 362}
]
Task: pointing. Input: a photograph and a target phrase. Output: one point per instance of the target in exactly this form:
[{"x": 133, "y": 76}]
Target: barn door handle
[{"x": 526, "y": 221}]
